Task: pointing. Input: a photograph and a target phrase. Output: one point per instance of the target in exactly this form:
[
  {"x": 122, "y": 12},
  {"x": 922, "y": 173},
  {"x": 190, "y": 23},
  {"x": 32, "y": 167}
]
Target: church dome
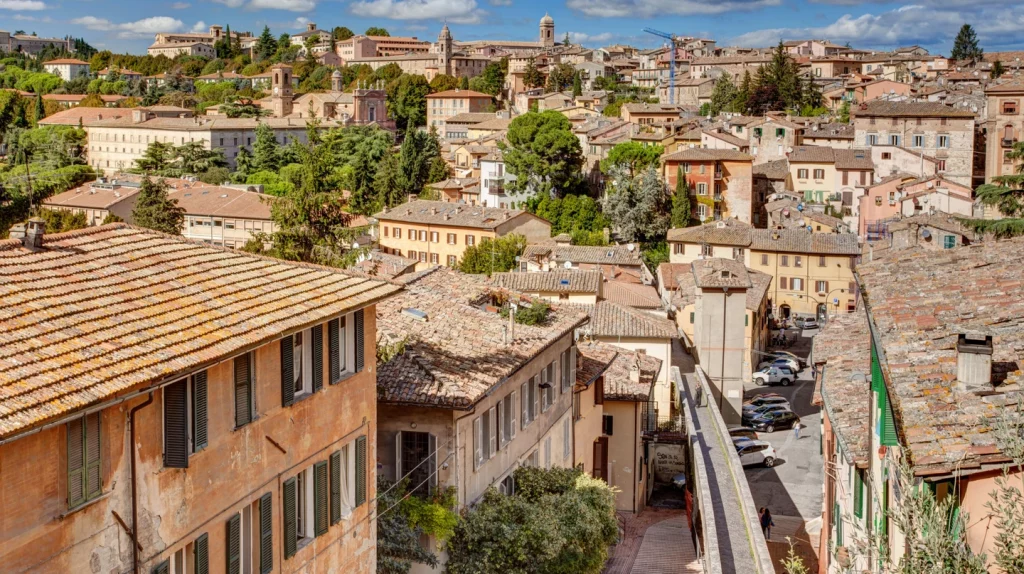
[{"x": 547, "y": 19}]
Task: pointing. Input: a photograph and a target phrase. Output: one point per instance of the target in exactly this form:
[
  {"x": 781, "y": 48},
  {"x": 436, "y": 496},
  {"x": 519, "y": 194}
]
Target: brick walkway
[{"x": 653, "y": 542}]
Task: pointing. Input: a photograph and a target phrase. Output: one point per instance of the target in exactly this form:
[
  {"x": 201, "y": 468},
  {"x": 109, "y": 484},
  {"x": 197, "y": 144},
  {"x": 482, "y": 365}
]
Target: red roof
[
  {"x": 67, "y": 61},
  {"x": 71, "y": 117},
  {"x": 459, "y": 93}
]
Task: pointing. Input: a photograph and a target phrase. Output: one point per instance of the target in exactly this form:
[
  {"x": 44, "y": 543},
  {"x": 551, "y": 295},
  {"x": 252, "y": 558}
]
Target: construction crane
[{"x": 671, "y": 61}]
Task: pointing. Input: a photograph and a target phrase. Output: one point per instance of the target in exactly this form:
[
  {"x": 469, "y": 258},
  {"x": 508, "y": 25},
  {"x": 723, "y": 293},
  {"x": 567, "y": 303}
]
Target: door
[
  {"x": 784, "y": 311},
  {"x": 601, "y": 458}
]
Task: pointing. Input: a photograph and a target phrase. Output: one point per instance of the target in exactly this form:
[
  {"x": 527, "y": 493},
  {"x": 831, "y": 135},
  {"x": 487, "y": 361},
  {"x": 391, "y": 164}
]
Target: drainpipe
[{"x": 135, "y": 504}]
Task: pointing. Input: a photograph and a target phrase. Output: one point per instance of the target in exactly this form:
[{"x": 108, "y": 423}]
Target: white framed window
[
  {"x": 796, "y": 284},
  {"x": 423, "y": 235},
  {"x": 304, "y": 505},
  {"x": 185, "y": 422},
  {"x": 943, "y": 141},
  {"x": 507, "y": 419},
  {"x": 433, "y": 237},
  {"x": 820, "y": 286},
  {"x": 918, "y": 141},
  {"x": 348, "y": 479},
  {"x": 302, "y": 362},
  {"x": 548, "y": 378},
  {"x": 702, "y": 188},
  {"x": 702, "y": 211}
]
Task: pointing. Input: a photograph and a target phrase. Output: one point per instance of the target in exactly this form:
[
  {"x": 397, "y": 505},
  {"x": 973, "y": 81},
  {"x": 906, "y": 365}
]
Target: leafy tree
[
  {"x": 155, "y": 210},
  {"x": 61, "y": 221},
  {"x": 386, "y": 184},
  {"x": 403, "y": 519},
  {"x": 157, "y": 157},
  {"x": 272, "y": 182},
  {"x": 415, "y": 158},
  {"x": 681, "y": 206},
  {"x": 266, "y": 152},
  {"x": 407, "y": 101},
  {"x": 342, "y": 33},
  {"x": 215, "y": 175},
  {"x": 997, "y": 69},
  {"x": 463, "y": 83},
  {"x": 238, "y": 107},
  {"x": 560, "y": 78},
  {"x": 532, "y": 77},
  {"x": 439, "y": 170},
  {"x": 723, "y": 94},
  {"x": 570, "y": 214},
  {"x": 577, "y": 85},
  {"x": 965, "y": 46},
  {"x": 765, "y": 98},
  {"x": 811, "y": 97},
  {"x": 492, "y": 80},
  {"x": 443, "y": 82},
  {"x": 375, "y": 31},
  {"x": 844, "y": 112},
  {"x": 194, "y": 158},
  {"x": 654, "y": 253},
  {"x": 613, "y": 109},
  {"x": 266, "y": 46},
  {"x": 633, "y": 156},
  {"x": 637, "y": 206},
  {"x": 543, "y": 154},
  {"x": 493, "y": 255}
]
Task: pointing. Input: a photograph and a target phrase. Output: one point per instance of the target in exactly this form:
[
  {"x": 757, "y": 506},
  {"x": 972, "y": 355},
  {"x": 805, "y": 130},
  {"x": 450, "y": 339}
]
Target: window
[
  {"x": 434, "y": 237},
  {"x": 678, "y": 248},
  {"x": 244, "y": 407},
  {"x": 872, "y": 138},
  {"x": 858, "y": 493},
  {"x": 568, "y": 368},
  {"x": 943, "y": 121},
  {"x": 784, "y": 260},
  {"x": 398, "y": 233},
  {"x": 894, "y": 140},
  {"x": 416, "y": 459},
  {"x": 737, "y": 253},
  {"x": 942, "y": 141},
  {"x": 412, "y": 254},
  {"x": 607, "y": 424},
  {"x": 821, "y": 286},
  {"x": 345, "y": 344},
  {"x": 85, "y": 481},
  {"x": 302, "y": 368},
  {"x": 423, "y": 235},
  {"x": 886, "y": 155},
  {"x": 507, "y": 419},
  {"x": 783, "y": 283},
  {"x": 528, "y": 393},
  {"x": 703, "y": 168},
  {"x": 764, "y": 259},
  {"x": 423, "y": 256},
  {"x": 434, "y": 258},
  {"x": 547, "y": 452},
  {"x": 798, "y": 261},
  {"x": 940, "y": 165},
  {"x": 948, "y": 241},
  {"x": 819, "y": 174},
  {"x": 918, "y": 141},
  {"x": 548, "y": 387},
  {"x": 470, "y": 240},
  {"x": 702, "y": 188},
  {"x": 707, "y": 250},
  {"x": 452, "y": 239},
  {"x": 185, "y": 424},
  {"x": 238, "y": 551},
  {"x": 485, "y": 437},
  {"x": 452, "y": 261},
  {"x": 702, "y": 211},
  {"x": 780, "y": 132},
  {"x": 1010, "y": 107},
  {"x": 796, "y": 284},
  {"x": 686, "y": 167},
  {"x": 801, "y": 173}
]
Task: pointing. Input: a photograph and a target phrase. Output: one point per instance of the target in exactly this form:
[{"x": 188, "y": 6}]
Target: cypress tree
[
  {"x": 577, "y": 85},
  {"x": 681, "y": 201},
  {"x": 40, "y": 109}
]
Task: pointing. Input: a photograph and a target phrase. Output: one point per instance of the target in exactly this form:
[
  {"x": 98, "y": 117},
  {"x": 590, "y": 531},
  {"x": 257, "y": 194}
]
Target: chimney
[
  {"x": 634, "y": 370},
  {"x": 433, "y": 211},
  {"x": 30, "y": 233},
  {"x": 974, "y": 362},
  {"x": 310, "y": 27}
]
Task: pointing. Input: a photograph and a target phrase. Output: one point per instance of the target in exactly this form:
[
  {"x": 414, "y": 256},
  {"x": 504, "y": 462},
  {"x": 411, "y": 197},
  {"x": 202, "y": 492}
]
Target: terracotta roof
[
  {"x": 727, "y": 138},
  {"x": 830, "y": 131},
  {"x": 559, "y": 281},
  {"x": 801, "y": 241},
  {"x": 589, "y": 254},
  {"x": 458, "y": 215},
  {"x": 759, "y": 284},
  {"x": 106, "y": 309},
  {"x": 455, "y": 350},
  {"x": 881, "y": 108},
  {"x": 614, "y": 320},
  {"x": 1009, "y": 87},
  {"x": 940, "y": 221},
  {"x": 718, "y": 273},
  {"x": 469, "y": 118},
  {"x": 80, "y": 97},
  {"x": 66, "y": 61},
  {"x": 385, "y": 265},
  {"x": 724, "y": 232},
  {"x": 458, "y": 94},
  {"x": 631, "y": 294},
  {"x": 619, "y": 384},
  {"x": 93, "y": 195},
  {"x": 200, "y": 199},
  {"x": 844, "y": 346},
  {"x": 702, "y": 154},
  {"x": 494, "y": 124},
  {"x": 920, "y": 300},
  {"x": 594, "y": 359},
  {"x": 76, "y": 115},
  {"x": 812, "y": 154},
  {"x": 643, "y": 108},
  {"x": 853, "y": 159},
  {"x": 776, "y": 169},
  {"x": 668, "y": 272}
]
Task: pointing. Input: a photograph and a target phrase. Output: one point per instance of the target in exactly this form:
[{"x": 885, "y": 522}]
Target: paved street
[{"x": 792, "y": 489}]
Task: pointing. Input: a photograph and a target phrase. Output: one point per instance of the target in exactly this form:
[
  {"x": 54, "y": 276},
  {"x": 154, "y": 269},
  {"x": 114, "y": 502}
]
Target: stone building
[
  {"x": 171, "y": 44},
  {"x": 1004, "y": 128},
  {"x": 31, "y": 44},
  {"x": 227, "y": 417}
]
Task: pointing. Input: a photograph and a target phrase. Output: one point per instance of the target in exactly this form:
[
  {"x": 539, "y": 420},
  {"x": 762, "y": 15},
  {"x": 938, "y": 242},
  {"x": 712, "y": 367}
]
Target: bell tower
[
  {"x": 547, "y": 31},
  {"x": 281, "y": 86},
  {"x": 444, "y": 48}
]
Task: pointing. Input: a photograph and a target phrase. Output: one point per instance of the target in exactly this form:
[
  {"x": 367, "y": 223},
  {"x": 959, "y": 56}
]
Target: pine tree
[
  {"x": 681, "y": 201},
  {"x": 997, "y": 69},
  {"x": 40, "y": 109},
  {"x": 566, "y": 41},
  {"x": 965, "y": 47},
  {"x": 154, "y": 209},
  {"x": 722, "y": 95},
  {"x": 266, "y": 46},
  {"x": 438, "y": 170},
  {"x": 739, "y": 103},
  {"x": 266, "y": 151},
  {"x": 386, "y": 183},
  {"x": 577, "y": 85},
  {"x": 463, "y": 82},
  {"x": 532, "y": 78}
]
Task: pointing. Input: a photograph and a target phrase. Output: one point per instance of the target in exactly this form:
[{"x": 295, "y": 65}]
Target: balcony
[
  {"x": 718, "y": 197},
  {"x": 718, "y": 175},
  {"x": 1008, "y": 142}
]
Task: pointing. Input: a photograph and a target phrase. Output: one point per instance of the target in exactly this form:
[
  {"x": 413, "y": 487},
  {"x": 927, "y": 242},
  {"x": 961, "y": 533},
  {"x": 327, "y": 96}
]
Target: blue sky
[{"x": 129, "y": 25}]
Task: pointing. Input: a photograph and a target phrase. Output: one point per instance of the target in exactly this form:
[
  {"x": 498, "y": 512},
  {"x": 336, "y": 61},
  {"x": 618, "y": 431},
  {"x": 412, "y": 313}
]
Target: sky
[{"x": 129, "y": 25}]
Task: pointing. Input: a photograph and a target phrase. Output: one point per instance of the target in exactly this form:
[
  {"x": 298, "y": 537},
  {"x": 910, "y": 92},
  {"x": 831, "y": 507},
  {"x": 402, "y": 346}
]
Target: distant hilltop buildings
[{"x": 32, "y": 44}]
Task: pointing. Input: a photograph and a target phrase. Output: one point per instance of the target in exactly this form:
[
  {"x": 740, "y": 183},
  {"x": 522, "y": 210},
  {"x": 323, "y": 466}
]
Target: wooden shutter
[
  {"x": 492, "y": 432},
  {"x": 782, "y": 282},
  {"x": 888, "y": 437},
  {"x": 572, "y": 366},
  {"x": 478, "y": 442},
  {"x": 266, "y": 534},
  {"x": 858, "y": 493},
  {"x": 318, "y": 357},
  {"x": 233, "y": 549},
  {"x": 290, "y": 536},
  {"x": 524, "y": 396},
  {"x": 243, "y": 391},
  {"x": 599, "y": 391},
  {"x": 162, "y": 568},
  {"x": 335, "y": 469},
  {"x": 359, "y": 340},
  {"x": 333, "y": 346},
  {"x": 176, "y": 425},
  {"x": 287, "y": 371},
  {"x": 201, "y": 555},
  {"x": 512, "y": 410},
  {"x": 320, "y": 498},
  {"x": 93, "y": 477},
  {"x": 76, "y": 462},
  {"x": 360, "y": 470},
  {"x": 200, "y": 422}
]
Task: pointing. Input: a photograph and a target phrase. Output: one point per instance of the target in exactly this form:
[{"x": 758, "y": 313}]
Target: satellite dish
[
  {"x": 925, "y": 233},
  {"x": 567, "y": 265},
  {"x": 630, "y": 247}
]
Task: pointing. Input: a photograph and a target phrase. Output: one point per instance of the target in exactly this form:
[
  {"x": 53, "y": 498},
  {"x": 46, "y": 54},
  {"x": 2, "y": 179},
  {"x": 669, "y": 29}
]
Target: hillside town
[{"x": 308, "y": 300}]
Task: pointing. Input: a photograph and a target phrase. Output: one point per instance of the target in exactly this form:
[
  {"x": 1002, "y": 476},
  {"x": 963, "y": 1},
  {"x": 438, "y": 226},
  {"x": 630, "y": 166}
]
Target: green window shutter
[
  {"x": 955, "y": 525},
  {"x": 266, "y": 534},
  {"x": 839, "y": 524},
  {"x": 162, "y": 568},
  {"x": 320, "y": 498},
  {"x": 93, "y": 477},
  {"x": 287, "y": 371},
  {"x": 76, "y": 462},
  {"x": 200, "y": 424},
  {"x": 360, "y": 470},
  {"x": 335, "y": 486},
  {"x": 888, "y": 435},
  {"x": 318, "y": 358},
  {"x": 746, "y": 320},
  {"x": 359, "y": 340},
  {"x": 877, "y": 384},
  {"x": 175, "y": 425},
  {"x": 243, "y": 390},
  {"x": 333, "y": 345},
  {"x": 233, "y": 546},
  {"x": 290, "y": 535},
  {"x": 201, "y": 555},
  {"x": 691, "y": 317},
  {"x": 858, "y": 494}
]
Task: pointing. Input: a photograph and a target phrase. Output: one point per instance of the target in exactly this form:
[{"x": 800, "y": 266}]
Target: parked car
[
  {"x": 773, "y": 420},
  {"x": 765, "y": 400},
  {"x": 792, "y": 364},
  {"x": 806, "y": 323},
  {"x": 738, "y": 441},
  {"x": 774, "y": 374},
  {"x": 760, "y": 411},
  {"x": 787, "y": 355},
  {"x": 743, "y": 432},
  {"x": 756, "y": 452}
]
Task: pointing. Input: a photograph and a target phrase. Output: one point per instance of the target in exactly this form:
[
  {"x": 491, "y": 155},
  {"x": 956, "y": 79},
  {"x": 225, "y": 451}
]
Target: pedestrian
[
  {"x": 796, "y": 429},
  {"x": 767, "y": 523}
]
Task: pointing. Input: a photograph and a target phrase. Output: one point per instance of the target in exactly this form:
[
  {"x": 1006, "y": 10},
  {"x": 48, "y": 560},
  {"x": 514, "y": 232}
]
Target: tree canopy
[
  {"x": 637, "y": 205},
  {"x": 965, "y": 46},
  {"x": 543, "y": 154},
  {"x": 634, "y": 156},
  {"x": 154, "y": 209},
  {"x": 493, "y": 255},
  {"x": 407, "y": 101}
]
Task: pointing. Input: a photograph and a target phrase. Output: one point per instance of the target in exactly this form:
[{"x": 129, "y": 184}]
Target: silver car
[{"x": 756, "y": 452}]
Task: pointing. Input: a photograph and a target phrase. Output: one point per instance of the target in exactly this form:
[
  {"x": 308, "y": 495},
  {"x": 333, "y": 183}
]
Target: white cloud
[
  {"x": 655, "y": 8},
  {"x": 456, "y": 11},
  {"x": 231, "y": 3},
  {"x": 290, "y": 5},
  {"x": 500, "y": 2},
  {"x": 299, "y": 23},
  {"x": 200, "y": 27},
  {"x": 584, "y": 38},
  {"x": 144, "y": 28},
  {"x": 22, "y": 5},
  {"x": 180, "y": 6},
  {"x": 26, "y": 18}
]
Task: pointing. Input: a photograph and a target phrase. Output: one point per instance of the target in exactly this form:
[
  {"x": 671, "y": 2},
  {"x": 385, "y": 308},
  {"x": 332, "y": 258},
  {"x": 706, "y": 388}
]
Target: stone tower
[
  {"x": 336, "y": 82},
  {"x": 444, "y": 49},
  {"x": 281, "y": 89},
  {"x": 547, "y": 31}
]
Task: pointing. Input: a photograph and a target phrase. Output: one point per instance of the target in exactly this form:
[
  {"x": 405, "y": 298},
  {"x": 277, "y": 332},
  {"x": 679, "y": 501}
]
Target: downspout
[
  {"x": 636, "y": 454},
  {"x": 721, "y": 371},
  {"x": 135, "y": 504}
]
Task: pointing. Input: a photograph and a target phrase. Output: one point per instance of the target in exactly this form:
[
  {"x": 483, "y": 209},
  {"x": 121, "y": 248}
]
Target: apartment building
[
  {"x": 928, "y": 128},
  {"x": 493, "y": 179},
  {"x": 443, "y": 105},
  {"x": 219, "y": 424},
  {"x": 721, "y": 181},
  {"x": 172, "y": 44},
  {"x": 837, "y": 177},
  {"x": 98, "y": 200},
  {"x": 614, "y": 261},
  {"x": 645, "y": 114},
  {"x": 1003, "y": 129},
  {"x": 67, "y": 68},
  {"x": 438, "y": 233},
  {"x": 71, "y": 100},
  {"x": 812, "y": 273}
]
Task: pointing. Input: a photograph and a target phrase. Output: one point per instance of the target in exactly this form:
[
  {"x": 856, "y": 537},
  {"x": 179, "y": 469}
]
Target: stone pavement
[{"x": 654, "y": 541}]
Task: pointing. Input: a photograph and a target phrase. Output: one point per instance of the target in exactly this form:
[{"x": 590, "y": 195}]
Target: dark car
[
  {"x": 773, "y": 420},
  {"x": 743, "y": 432},
  {"x": 758, "y": 412}
]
